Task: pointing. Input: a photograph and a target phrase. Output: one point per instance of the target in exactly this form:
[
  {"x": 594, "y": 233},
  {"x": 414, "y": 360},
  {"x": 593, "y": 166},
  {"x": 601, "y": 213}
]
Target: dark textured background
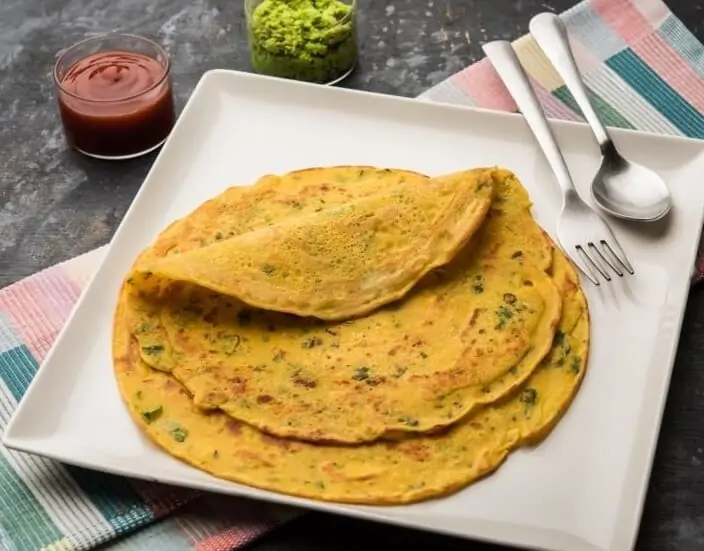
[{"x": 55, "y": 204}]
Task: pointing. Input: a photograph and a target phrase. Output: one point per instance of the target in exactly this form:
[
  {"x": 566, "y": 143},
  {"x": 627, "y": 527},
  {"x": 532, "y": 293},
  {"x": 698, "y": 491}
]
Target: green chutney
[{"x": 310, "y": 40}]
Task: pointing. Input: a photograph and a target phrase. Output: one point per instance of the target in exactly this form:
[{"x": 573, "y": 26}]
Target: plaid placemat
[{"x": 644, "y": 71}]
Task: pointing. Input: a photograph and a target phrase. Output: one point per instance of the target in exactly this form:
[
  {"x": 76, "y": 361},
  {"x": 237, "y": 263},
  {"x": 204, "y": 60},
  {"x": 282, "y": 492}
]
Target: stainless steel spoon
[{"x": 620, "y": 187}]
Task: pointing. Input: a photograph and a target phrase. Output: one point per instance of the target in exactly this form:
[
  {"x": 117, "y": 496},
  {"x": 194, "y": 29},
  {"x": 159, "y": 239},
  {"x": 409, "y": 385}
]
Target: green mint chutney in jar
[{"x": 309, "y": 40}]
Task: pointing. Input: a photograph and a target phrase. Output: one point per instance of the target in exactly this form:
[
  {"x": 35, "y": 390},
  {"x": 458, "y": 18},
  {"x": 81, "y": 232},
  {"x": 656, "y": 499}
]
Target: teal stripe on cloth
[
  {"x": 663, "y": 98},
  {"x": 609, "y": 115},
  {"x": 683, "y": 42},
  {"x": 114, "y": 497},
  {"x": 17, "y": 369},
  {"x": 24, "y": 523},
  {"x": 123, "y": 509}
]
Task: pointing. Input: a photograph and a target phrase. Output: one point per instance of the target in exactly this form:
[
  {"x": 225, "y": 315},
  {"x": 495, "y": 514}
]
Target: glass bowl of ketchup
[{"x": 115, "y": 97}]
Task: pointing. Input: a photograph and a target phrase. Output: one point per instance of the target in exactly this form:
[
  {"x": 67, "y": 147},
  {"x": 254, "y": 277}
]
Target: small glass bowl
[
  {"x": 313, "y": 62},
  {"x": 132, "y": 118}
]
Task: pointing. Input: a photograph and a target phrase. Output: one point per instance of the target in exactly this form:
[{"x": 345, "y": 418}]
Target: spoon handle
[
  {"x": 550, "y": 34},
  {"x": 509, "y": 69}
]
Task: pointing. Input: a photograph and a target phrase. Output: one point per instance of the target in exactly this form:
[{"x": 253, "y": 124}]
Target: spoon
[{"x": 622, "y": 188}]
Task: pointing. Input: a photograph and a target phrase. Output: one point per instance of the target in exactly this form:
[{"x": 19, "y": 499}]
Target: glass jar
[
  {"x": 308, "y": 40},
  {"x": 114, "y": 95}
]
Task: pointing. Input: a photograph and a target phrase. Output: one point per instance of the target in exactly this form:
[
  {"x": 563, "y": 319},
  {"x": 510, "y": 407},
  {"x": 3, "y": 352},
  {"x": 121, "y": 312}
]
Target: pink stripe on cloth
[
  {"x": 484, "y": 86},
  {"x": 623, "y": 17},
  {"x": 481, "y": 82},
  {"x": 38, "y": 306},
  {"x": 233, "y": 538},
  {"x": 552, "y": 106},
  {"x": 659, "y": 55}
]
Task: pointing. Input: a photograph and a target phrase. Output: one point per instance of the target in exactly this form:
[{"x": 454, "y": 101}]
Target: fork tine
[
  {"x": 617, "y": 252},
  {"x": 594, "y": 263},
  {"x": 584, "y": 268},
  {"x": 606, "y": 260}
]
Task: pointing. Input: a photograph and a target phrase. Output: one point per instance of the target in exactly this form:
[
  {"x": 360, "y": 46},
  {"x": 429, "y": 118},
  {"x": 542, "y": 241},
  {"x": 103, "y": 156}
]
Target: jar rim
[{"x": 62, "y": 55}]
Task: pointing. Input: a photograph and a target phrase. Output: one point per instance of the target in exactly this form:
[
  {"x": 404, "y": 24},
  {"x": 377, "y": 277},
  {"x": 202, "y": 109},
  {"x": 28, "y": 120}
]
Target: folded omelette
[{"x": 342, "y": 260}]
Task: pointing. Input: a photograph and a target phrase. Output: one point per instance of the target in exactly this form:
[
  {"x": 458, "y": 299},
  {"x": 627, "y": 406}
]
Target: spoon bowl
[
  {"x": 621, "y": 188},
  {"x": 630, "y": 191}
]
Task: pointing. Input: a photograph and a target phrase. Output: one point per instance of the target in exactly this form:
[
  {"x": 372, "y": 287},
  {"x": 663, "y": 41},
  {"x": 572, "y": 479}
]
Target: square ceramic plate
[{"x": 583, "y": 488}]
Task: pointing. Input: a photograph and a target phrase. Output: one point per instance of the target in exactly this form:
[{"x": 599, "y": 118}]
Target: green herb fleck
[
  {"x": 179, "y": 433},
  {"x": 529, "y": 396},
  {"x": 559, "y": 337},
  {"x": 268, "y": 269},
  {"x": 504, "y": 313},
  {"x": 478, "y": 285},
  {"x": 152, "y": 414},
  {"x": 513, "y": 370},
  {"x": 423, "y": 355},
  {"x": 408, "y": 421},
  {"x": 144, "y": 328},
  {"x": 312, "y": 342},
  {"x": 320, "y": 484},
  {"x": 361, "y": 374},
  {"x": 576, "y": 365},
  {"x": 153, "y": 349},
  {"x": 400, "y": 370}
]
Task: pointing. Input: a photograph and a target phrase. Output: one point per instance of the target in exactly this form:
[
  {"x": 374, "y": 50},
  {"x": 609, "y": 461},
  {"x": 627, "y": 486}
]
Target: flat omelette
[{"x": 411, "y": 469}]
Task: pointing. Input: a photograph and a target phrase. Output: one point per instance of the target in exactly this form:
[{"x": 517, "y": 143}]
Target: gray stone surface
[{"x": 55, "y": 204}]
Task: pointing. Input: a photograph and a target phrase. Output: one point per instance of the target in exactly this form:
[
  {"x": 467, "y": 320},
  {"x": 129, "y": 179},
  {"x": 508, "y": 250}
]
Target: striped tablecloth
[{"x": 644, "y": 71}]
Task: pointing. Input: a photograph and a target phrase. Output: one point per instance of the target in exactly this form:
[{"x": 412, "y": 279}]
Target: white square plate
[{"x": 583, "y": 488}]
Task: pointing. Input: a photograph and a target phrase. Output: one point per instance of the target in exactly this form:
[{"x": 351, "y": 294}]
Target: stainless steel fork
[{"x": 583, "y": 234}]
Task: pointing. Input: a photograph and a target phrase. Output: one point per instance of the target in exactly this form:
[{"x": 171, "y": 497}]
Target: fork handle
[
  {"x": 550, "y": 33},
  {"x": 508, "y": 67}
]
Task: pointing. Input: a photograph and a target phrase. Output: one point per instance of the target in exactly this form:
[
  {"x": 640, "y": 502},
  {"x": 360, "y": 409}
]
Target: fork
[{"x": 583, "y": 234}]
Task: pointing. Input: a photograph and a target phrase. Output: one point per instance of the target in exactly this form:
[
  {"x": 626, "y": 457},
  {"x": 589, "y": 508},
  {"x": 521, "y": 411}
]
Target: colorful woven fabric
[{"x": 644, "y": 70}]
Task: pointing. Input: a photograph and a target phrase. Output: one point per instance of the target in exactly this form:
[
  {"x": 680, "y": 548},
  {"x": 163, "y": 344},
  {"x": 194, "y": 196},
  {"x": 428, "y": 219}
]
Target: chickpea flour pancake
[{"x": 466, "y": 335}]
